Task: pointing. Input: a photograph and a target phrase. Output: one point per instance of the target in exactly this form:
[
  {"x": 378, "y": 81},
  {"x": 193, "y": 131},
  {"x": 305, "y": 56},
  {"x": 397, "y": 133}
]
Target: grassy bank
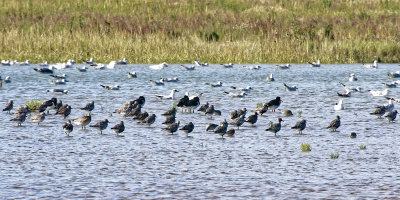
[{"x": 214, "y": 31}]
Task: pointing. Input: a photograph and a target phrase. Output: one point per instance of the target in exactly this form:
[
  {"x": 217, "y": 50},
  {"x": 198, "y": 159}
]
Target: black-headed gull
[
  {"x": 175, "y": 79},
  {"x": 48, "y": 70},
  {"x": 159, "y": 66},
  {"x": 389, "y": 85},
  {"x": 289, "y": 88},
  {"x": 236, "y": 95},
  {"x": 108, "y": 87},
  {"x": 122, "y": 62},
  {"x": 218, "y": 84},
  {"x": 270, "y": 78},
  {"x": 347, "y": 94},
  {"x": 89, "y": 62},
  {"x": 170, "y": 96},
  {"x": 246, "y": 89},
  {"x": 379, "y": 93},
  {"x": 190, "y": 68},
  {"x": 317, "y": 64},
  {"x": 58, "y": 91},
  {"x": 227, "y": 65},
  {"x": 372, "y": 66},
  {"x": 157, "y": 83},
  {"x": 287, "y": 66},
  {"x": 255, "y": 67},
  {"x": 7, "y": 79},
  {"x": 132, "y": 75},
  {"x": 394, "y": 74},
  {"x": 45, "y": 64},
  {"x": 350, "y": 89},
  {"x": 199, "y": 64},
  {"x": 352, "y": 78},
  {"x": 82, "y": 69},
  {"x": 61, "y": 76},
  {"x": 339, "y": 106}
]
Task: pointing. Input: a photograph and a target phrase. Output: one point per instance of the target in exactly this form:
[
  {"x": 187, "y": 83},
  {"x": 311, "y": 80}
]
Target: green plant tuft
[
  {"x": 334, "y": 155},
  {"x": 299, "y": 113},
  {"x": 363, "y": 147},
  {"x": 259, "y": 105},
  {"x": 33, "y": 104},
  {"x": 305, "y": 147}
]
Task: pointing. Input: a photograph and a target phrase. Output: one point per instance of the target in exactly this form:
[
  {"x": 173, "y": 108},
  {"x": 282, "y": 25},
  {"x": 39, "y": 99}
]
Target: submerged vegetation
[
  {"x": 334, "y": 155},
  {"x": 33, "y": 104},
  {"x": 305, "y": 147},
  {"x": 213, "y": 31}
]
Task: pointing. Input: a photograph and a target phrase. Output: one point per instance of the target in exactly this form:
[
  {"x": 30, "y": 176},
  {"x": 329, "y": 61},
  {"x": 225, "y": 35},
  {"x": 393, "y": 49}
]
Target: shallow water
[{"x": 148, "y": 163}]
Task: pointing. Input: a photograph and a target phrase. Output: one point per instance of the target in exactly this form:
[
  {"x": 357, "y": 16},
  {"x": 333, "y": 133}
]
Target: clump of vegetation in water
[
  {"x": 363, "y": 147},
  {"x": 174, "y": 107},
  {"x": 305, "y": 147},
  {"x": 299, "y": 113},
  {"x": 259, "y": 105},
  {"x": 33, "y": 104},
  {"x": 334, "y": 155}
]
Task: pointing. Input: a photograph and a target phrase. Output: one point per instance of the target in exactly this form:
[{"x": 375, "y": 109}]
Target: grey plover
[
  {"x": 89, "y": 106},
  {"x": 203, "y": 107},
  {"x": 141, "y": 116},
  {"x": 300, "y": 126},
  {"x": 101, "y": 125},
  {"x": 119, "y": 128},
  {"x": 210, "y": 111},
  {"x": 380, "y": 111},
  {"x": 9, "y": 106},
  {"x": 169, "y": 119},
  {"x": 65, "y": 110},
  {"x": 172, "y": 127},
  {"x": 274, "y": 104},
  {"x": 38, "y": 118},
  {"x": 19, "y": 119},
  {"x": 134, "y": 112},
  {"x": 221, "y": 130},
  {"x": 187, "y": 128},
  {"x": 238, "y": 121},
  {"x": 334, "y": 124},
  {"x": 391, "y": 116},
  {"x": 262, "y": 109},
  {"x": 171, "y": 111},
  {"x": 83, "y": 121},
  {"x": 217, "y": 112},
  {"x": 286, "y": 113},
  {"x": 148, "y": 120},
  {"x": 252, "y": 119},
  {"x": 275, "y": 127},
  {"x": 211, "y": 126},
  {"x": 68, "y": 127},
  {"x": 230, "y": 132}
]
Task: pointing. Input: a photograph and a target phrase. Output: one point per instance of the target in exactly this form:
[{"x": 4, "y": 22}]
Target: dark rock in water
[{"x": 353, "y": 135}]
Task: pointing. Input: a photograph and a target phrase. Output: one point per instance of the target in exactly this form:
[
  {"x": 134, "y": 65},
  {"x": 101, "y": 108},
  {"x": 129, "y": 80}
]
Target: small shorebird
[
  {"x": 173, "y": 127},
  {"x": 300, "y": 126},
  {"x": 187, "y": 128},
  {"x": 119, "y": 128},
  {"x": 9, "y": 106},
  {"x": 38, "y": 118},
  {"x": 89, "y": 106},
  {"x": 101, "y": 125},
  {"x": 83, "y": 121},
  {"x": 275, "y": 127},
  {"x": 68, "y": 127},
  {"x": 334, "y": 124}
]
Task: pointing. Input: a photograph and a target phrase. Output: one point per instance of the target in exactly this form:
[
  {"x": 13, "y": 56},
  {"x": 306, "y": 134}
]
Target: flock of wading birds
[{"x": 189, "y": 104}]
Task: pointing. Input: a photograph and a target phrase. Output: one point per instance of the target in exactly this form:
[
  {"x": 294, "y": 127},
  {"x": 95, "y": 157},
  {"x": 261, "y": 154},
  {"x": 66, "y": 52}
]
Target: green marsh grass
[
  {"x": 305, "y": 147},
  {"x": 334, "y": 155},
  {"x": 363, "y": 147},
  {"x": 213, "y": 31},
  {"x": 33, "y": 104}
]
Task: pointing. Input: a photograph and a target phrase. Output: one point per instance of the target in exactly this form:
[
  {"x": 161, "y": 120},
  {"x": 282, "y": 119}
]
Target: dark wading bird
[{"x": 334, "y": 124}]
